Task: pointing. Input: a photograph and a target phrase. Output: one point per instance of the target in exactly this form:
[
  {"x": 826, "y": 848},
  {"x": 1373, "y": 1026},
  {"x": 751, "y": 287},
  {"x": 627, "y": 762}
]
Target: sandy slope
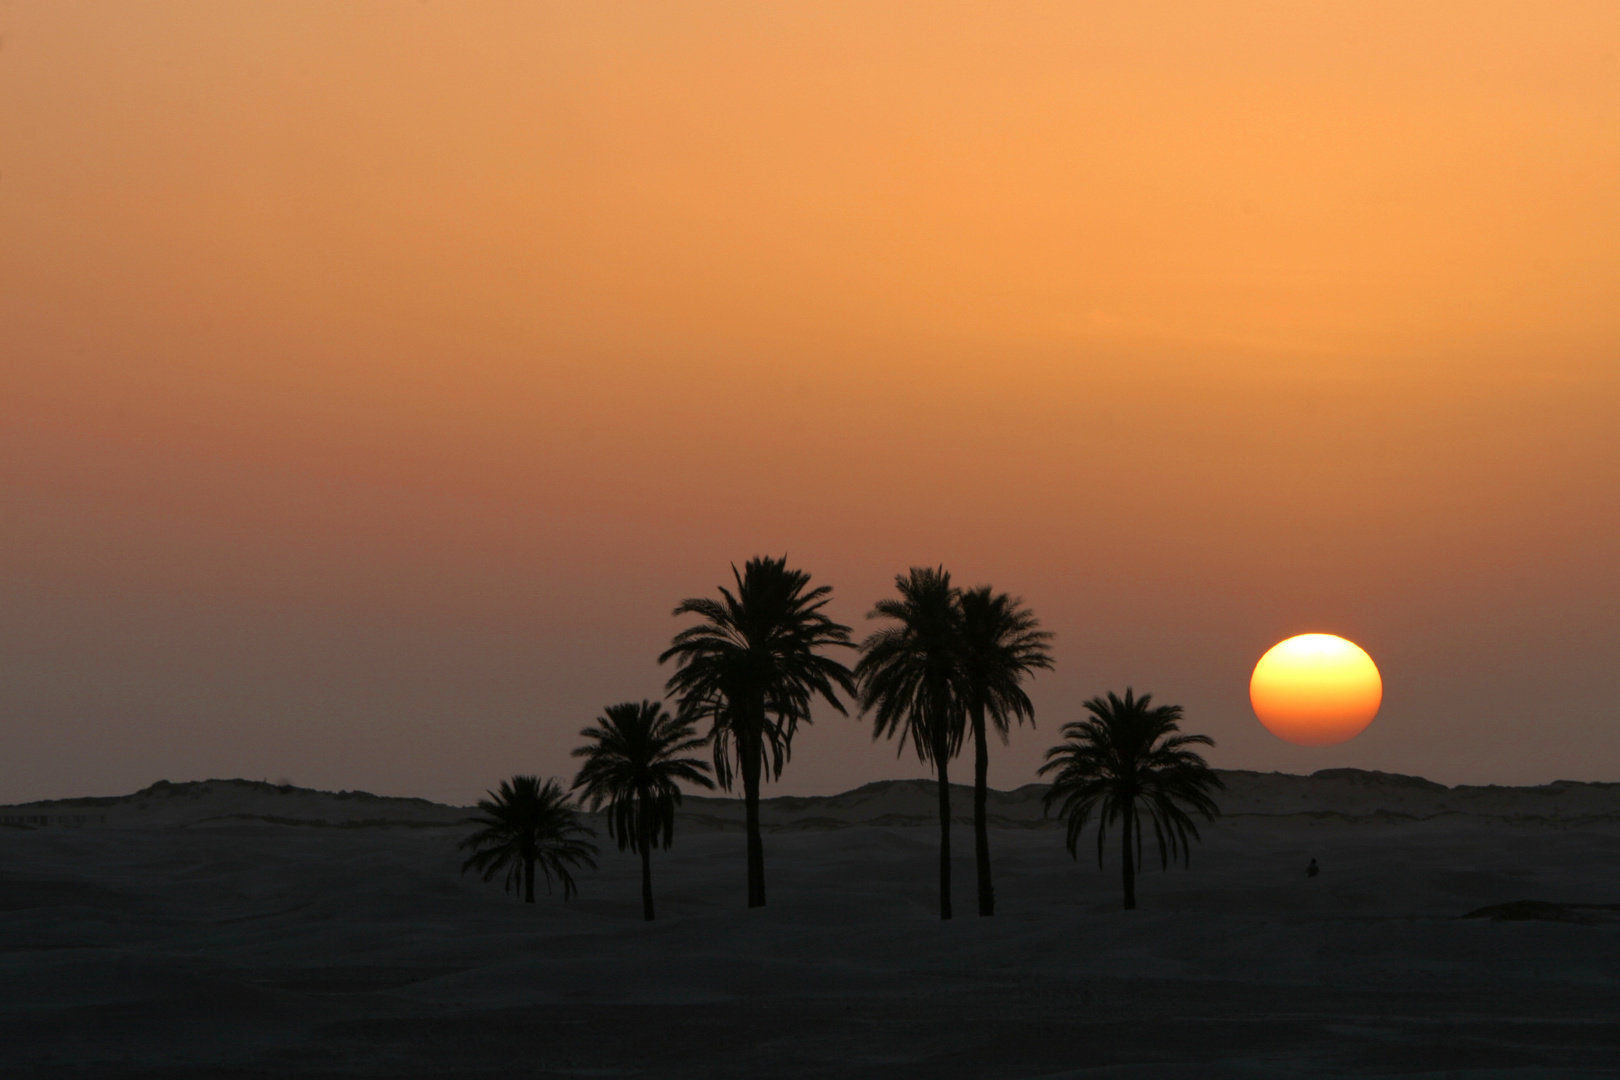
[
  {"x": 1348, "y": 793},
  {"x": 194, "y": 932},
  {"x": 232, "y": 802},
  {"x": 1330, "y": 793}
]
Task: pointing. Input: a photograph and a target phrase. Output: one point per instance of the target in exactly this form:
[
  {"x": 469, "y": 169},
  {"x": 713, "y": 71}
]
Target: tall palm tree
[
  {"x": 524, "y": 823},
  {"x": 1001, "y": 644},
  {"x": 752, "y": 667},
  {"x": 633, "y": 764},
  {"x": 910, "y": 674},
  {"x": 1126, "y": 762}
]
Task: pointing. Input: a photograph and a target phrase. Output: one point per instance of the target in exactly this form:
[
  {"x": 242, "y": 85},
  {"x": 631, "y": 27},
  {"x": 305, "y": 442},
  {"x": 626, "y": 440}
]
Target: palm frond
[
  {"x": 633, "y": 766},
  {"x": 754, "y": 664},
  {"x": 909, "y": 673},
  {"x": 1002, "y": 644},
  {"x": 1128, "y": 757},
  {"x": 528, "y": 821}
]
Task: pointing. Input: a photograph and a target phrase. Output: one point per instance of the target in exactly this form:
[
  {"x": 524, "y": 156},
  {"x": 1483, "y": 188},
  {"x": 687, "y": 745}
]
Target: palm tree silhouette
[
  {"x": 1127, "y": 761},
  {"x": 752, "y": 667},
  {"x": 524, "y": 823},
  {"x": 632, "y": 764},
  {"x": 910, "y": 673},
  {"x": 1001, "y": 644}
]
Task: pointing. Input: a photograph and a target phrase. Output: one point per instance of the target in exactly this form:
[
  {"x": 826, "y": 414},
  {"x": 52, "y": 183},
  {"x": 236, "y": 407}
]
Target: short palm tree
[
  {"x": 633, "y": 765},
  {"x": 910, "y": 676},
  {"x": 527, "y": 823},
  {"x": 1001, "y": 644},
  {"x": 751, "y": 667},
  {"x": 1126, "y": 762}
]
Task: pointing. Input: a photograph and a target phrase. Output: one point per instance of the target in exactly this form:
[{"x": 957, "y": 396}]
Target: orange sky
[{"x": 374, "y": 378}]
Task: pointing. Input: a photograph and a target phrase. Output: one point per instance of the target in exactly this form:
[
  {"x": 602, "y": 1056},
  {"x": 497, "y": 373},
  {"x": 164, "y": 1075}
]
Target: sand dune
[
  {"x": 235, "y": 928},
  {"x": 227, "y": 802},
  {"x": 1348, "y": 793}
]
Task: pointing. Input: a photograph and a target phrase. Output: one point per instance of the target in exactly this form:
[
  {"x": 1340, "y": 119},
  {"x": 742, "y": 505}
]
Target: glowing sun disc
[{"x": 1316, "y": 690}]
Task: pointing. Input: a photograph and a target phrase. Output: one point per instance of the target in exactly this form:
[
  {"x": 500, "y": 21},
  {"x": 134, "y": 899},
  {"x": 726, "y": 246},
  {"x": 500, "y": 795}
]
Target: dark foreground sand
[{"x": 208, "y": 933}]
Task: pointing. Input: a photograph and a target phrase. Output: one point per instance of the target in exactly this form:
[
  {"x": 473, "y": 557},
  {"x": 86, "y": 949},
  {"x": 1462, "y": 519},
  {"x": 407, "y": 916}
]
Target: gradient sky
[{"x": 376, "y": 377}]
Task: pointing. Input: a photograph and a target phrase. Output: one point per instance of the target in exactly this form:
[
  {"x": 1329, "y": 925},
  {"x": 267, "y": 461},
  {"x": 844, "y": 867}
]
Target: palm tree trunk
[
  {"x": 1129, "y": 864},
  {"x": 646, "y": 881},
  {"x": 756, "y": 847},
  {"x": 528, "y": 881},
  {"x": 981, "y": 827},
  {"x": 644, "y": 841},
  {"x": 942, "y": 758}
]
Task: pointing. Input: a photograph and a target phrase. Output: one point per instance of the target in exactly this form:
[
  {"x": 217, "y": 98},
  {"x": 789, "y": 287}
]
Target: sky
[{"x": 375, "y": 378}]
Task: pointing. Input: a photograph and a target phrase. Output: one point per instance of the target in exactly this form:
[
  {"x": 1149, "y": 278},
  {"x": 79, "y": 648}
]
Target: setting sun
[{"x": 1316, "y": 690}]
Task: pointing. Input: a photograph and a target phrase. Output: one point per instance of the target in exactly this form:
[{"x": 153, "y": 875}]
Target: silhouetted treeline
[{"x": 948, "y": 664}]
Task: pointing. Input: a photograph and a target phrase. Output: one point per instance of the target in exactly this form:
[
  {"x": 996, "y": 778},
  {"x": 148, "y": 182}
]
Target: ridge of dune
[
  {"x": 239, "y": 802},
  {"x": 1338, "y": 793},
  {"x": 252, "y": 929}
]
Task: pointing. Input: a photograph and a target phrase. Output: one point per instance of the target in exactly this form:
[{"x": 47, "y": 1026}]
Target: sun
[{"x": 1316, "y": 690}]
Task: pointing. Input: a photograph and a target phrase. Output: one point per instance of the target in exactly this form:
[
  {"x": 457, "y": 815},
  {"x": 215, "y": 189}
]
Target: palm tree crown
[
  {"x": 752, "y": 666},
  {"x": 633, "y": 765},
  {"x": 527, "y": 823},
  {"x": 909, "y": 672},
  {"x": 911, "y": 681},
  {"x": 1001, "y": 644},
  {"x": 1124, "y": 762}
]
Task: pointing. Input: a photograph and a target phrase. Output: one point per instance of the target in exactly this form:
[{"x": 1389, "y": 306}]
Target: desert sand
[{"x": 239, "y": 929}]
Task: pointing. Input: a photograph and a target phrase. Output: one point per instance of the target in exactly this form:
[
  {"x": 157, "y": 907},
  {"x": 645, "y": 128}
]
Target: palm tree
[
  {"x": 752, "y": 667},
  {"x": 1001, "y": 643},
  {"x": 1127, "y": 761},
  {"x": 910, "y": 673},
  {"x": 524, "y": 823},
  {"x": 632, "y": 764}
]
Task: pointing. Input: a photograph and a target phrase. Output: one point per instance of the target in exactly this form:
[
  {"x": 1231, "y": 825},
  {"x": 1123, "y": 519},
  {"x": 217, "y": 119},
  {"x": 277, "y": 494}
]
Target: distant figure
[{"x": 1312, "y": 870}]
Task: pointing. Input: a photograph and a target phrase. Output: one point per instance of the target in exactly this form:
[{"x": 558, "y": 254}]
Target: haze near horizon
[{"x": 376, "y": 379}]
